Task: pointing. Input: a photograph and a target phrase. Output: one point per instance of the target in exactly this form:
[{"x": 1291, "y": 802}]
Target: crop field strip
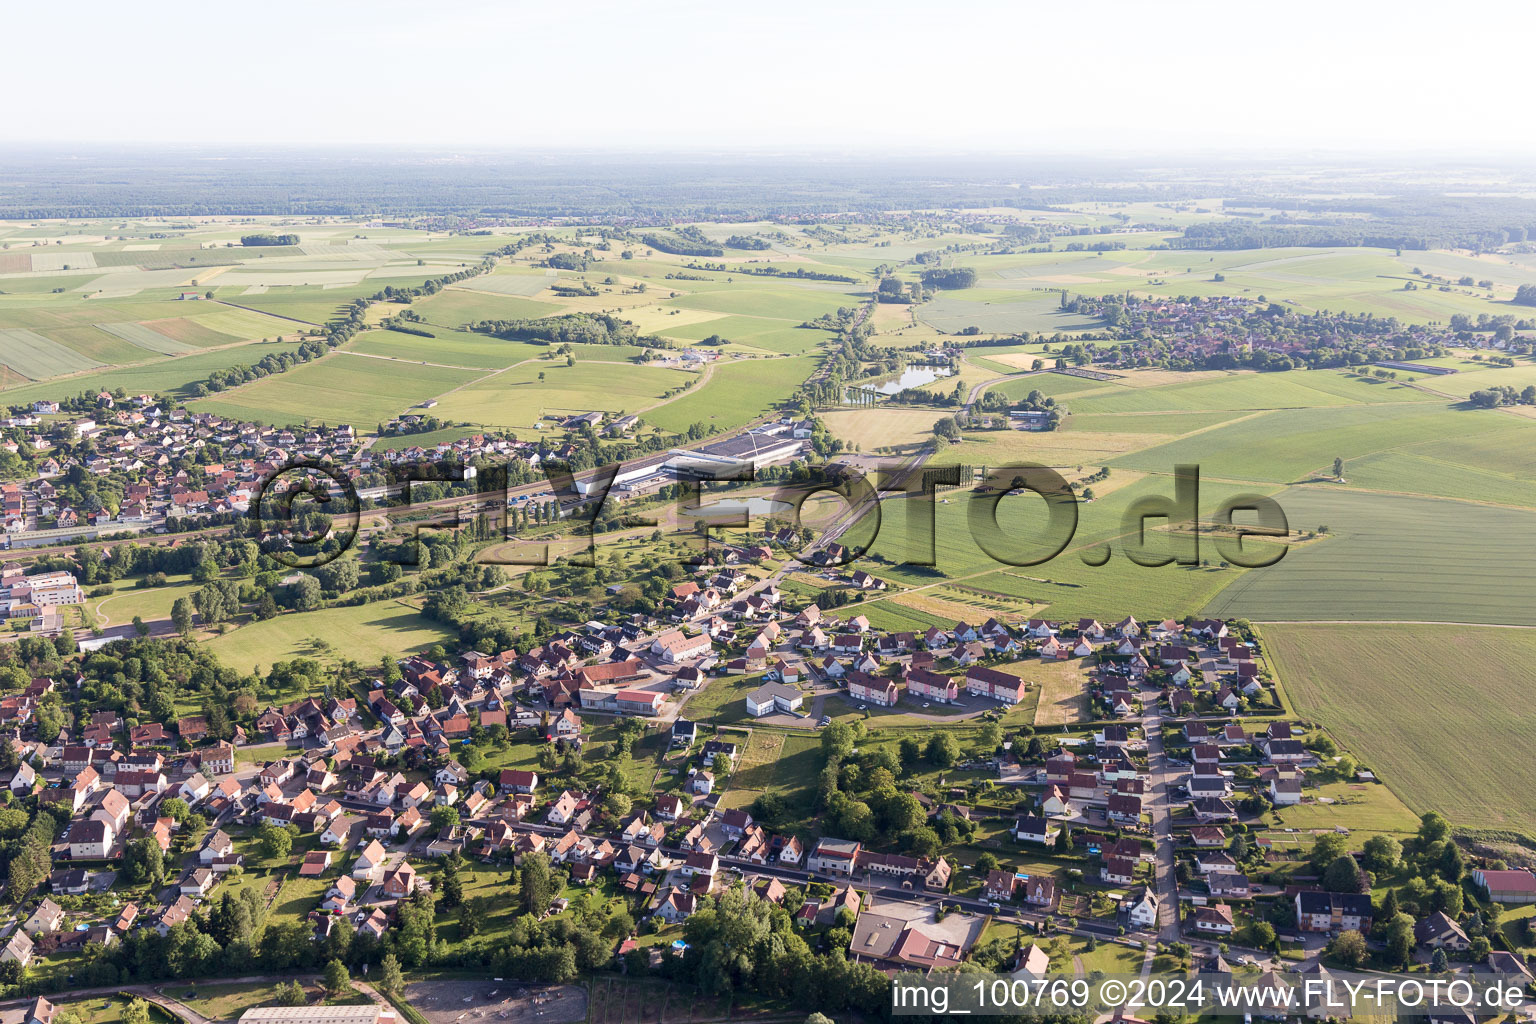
[
  {"x": 154, "y": 375},
  {"x": 37, "y": 358},
  {"x": 522, "y": 284},
  {"x": 1443, "y": 713},
  {"x": 194, "y": 333},
  {"x": 94, "y": 343},
  {"x": 146, "y": 338}
]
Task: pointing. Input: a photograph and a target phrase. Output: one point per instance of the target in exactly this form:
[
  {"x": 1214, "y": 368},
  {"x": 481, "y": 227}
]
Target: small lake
[
  {"x": 736, "y": 506},
  {"x": 914, "y": 376}
]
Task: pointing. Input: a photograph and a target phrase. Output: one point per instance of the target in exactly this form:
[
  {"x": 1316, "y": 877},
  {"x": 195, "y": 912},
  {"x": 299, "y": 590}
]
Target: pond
[
  {"x": 914, "y": 376},
  {"x": 736, "y": 506}
]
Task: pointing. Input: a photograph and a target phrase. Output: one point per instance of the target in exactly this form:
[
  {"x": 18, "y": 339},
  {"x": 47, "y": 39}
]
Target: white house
[
  {"x": 1141, "y": 908},
  {"x": 772, "y": 697},
  {"x": 369, "y": 865}
]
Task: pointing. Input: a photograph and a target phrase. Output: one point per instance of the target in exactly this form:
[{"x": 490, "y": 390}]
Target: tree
[
  {"x": 181, "y": 616},
  {"x": 443, "y": 817},
  {"x": 1326, "y": 849},
  {"x": 1262, "y": 934},
  {"x": 1400, "y": 940},
  {"x": 1063, "y": 840},
  {"x": 985, "y": 863},
  {"x": 1439, "y": 962},
  {"x": 306, "y": 593},
  {"x": 136, "y": 1012},
  {"x": 1348, "y": 948},
  {"x": 1343, "y": 875},
  {"x": 143, "y": 863},
  {"x": 276, "y": 842},
  {"x": 291, "y": 994},
  {"x": 1433, "y": 829},
  {"x": 942, "y": 749},
  {"x": 390, "y": 978},
  {"x": 1382, "y": 853},
  {"x": 922, "y": 842},
  {"x": 837, "y": 740},
  {"x": 139, "y": 626},
  {"x": 1338, "y": 468},
  {"x": 337, "y": 980},
  {"x": 537, "y": 883},
  {"x": 453, "y": 890}
]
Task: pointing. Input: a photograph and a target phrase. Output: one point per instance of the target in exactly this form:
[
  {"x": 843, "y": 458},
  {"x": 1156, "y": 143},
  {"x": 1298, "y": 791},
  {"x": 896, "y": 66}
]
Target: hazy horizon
[{"x": 688, "y": 78}]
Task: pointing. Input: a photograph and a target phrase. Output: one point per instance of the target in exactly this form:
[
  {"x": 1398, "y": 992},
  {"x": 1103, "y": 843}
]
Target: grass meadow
[{"x": 364, "y": 632}]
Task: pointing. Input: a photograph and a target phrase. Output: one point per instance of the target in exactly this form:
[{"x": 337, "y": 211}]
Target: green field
[
  {"x": 1051, "y": 385},
  {"x": 450, "y": 347},
  {"x": 1394, "y": 558},
  {"x": 735, "y": 393},
  {"x": 1358, "y": 280},
  {"x": 1292, "y": 445},
  {"x": 787, "y": 303},
  {"x": 1440, "y": 712},
  {"x": 1002, "y": 312},
  {"x": 454, "y": 307},
  {"x": 363, "y": 632},
  {"x": 520, "y": 398},
  {"x": 128, "y": 600},
  {"x": 32, "y": 355},
  {"x": 156, "y": 375},
  {"x": 512, "y": 281},
  {"x": 1298, "y": 389},
  {"x": 751, "y": 332},
  {"x": 337, "y": 388},
  {"x": 147, "y": 338},
  {"x": 1151, "y": 422}
]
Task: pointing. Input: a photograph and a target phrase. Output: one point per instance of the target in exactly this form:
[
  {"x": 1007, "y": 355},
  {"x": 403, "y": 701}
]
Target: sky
[{"x": 1101, "y": 77}]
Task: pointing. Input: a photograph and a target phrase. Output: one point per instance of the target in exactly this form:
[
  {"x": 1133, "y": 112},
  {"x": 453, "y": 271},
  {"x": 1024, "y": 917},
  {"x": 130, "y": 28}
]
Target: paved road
[{"x": 1160, "y": 779}]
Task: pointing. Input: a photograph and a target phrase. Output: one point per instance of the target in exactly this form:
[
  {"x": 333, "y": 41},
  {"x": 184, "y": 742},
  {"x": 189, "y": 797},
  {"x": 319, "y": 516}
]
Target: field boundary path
[{"x": 263, "y": 312}]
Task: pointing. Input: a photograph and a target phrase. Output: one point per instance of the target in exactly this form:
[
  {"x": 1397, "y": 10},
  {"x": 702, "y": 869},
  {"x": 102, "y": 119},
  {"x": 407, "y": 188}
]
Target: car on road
[{"x": 927, "y": 705}]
